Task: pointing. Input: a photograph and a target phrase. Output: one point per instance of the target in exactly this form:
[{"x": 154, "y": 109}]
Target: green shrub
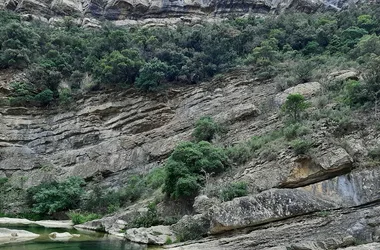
[
  {"x": 155, "y": 178},
  {"x": 65, "y": 96},
  {"x": 101, "y": 201},
  {"x": 239, "y": 154},
  {"x": 293, "y": 131},
  {"x": 80, "y": 218},
  {"x": 44, "y": 97},
  {"x": 151, "y": 75},
  {"x": 205, "y": 129},
  {"x": 269, "y": 152},
  {"x": 303, "y": 71},
  {"x": 301, "y": 146},
  {"x": 234, "y": 190},
  {"x": 148, "y": 219},
  {"x": 119, "y": 67},
  {"x": 49, "y": 198},
  {"x": 133, "y": 189},
  {"x": 187, "y": 163},
  {"x": 3, "y": 181},
  {"x": 374, "y": 153},
  {"x": 294, "y": 105}
]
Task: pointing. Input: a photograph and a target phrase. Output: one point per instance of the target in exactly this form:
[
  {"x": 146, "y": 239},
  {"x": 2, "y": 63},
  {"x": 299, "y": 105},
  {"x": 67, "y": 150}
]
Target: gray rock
[
  {"x": 191, "y": 227},
  {"x": 62, "y": 236},
  {"x": 11, "y": 235},
  {"x": 156, "y": 235},
  {"x": 308, "y": 90},
  {"x": 371, "y": 246},
  {"x": 317, "y": 232},
  {"x": 202, "y": 204},
  {"x": 271, "y": 205},
  {"x": 344, "y": 75}
]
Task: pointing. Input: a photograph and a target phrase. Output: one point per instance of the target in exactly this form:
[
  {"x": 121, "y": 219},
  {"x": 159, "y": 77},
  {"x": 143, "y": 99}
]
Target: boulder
[
  {"x": 202, "y": 204},
  {"x": 270, "y": 205},
  {"x": 308, "y": 90},
  {"x": 62, "y": 236},
  {"x": 156, "y": 235},
  {"x": 191, "y": 227}
]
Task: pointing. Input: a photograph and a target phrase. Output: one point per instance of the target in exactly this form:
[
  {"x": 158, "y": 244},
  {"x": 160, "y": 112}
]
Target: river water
[{"x": 87, "y": 241}]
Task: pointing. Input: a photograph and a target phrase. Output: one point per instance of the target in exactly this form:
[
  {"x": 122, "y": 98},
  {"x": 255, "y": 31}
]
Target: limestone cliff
[
  {"x": 326, "y": 200},
  {"x": 143, "y": 9}
]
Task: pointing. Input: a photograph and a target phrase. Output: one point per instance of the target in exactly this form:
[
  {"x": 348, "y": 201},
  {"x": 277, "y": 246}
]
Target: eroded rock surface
[
  {"x": 112, "y": 136},
  {"x": 267, "y": 206},
  {"x": 319, "y": 231},
  {"x": 156, "y": 235},
  {"x": 192, "y": 9}
]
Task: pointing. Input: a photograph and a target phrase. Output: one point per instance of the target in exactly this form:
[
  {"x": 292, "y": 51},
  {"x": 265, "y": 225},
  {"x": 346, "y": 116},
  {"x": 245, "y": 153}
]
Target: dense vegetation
[{"x": 61, "y": 61}]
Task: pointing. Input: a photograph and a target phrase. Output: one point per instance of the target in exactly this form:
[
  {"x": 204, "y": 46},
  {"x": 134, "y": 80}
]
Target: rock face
[
  {"x": 267, "y": 206},
  {"x": 320, "y": 231},
  {"x": 327, "y": 199},
  {"x": 128, "y": 9},
  {"x": 112, "y": 136}
]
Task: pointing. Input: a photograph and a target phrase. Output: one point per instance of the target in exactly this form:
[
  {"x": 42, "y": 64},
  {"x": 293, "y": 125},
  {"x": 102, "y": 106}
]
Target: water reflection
[{"x": 87, "y": 241}]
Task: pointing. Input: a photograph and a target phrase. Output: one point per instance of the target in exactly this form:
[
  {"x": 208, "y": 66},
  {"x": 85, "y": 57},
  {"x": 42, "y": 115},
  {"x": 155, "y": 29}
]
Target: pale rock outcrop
[
  {"x": 12, "y": 235},
  {"x": 66, "y": 7},
  {"x": 43, "y": 223},
  {"x": 344, "y": 75},
  {"x": 156, "y": 235},
  {"x": 62, "y": 236},
  {"x": 308, "y": 90}
]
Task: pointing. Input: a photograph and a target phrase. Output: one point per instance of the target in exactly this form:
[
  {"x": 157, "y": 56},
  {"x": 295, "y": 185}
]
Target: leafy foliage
[
  {"x": 205, "y": 129},
  {"x": 150, "y": 57},
  {"x": 80, "y": 218},
  {"x": 294, "y": 105},
  {"x": 151, "y": 75},
  {"x": 49, "y": 198},
  {"x": 187, "y": 163},
  {"x": 234, "y": 190},
  {"x": 148, "y": 219},
  {"x": 301, "y": 146}
]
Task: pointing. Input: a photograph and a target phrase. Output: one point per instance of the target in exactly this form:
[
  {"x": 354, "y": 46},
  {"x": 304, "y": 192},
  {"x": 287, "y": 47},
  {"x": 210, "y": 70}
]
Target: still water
[{"x": 87, "y": 241}]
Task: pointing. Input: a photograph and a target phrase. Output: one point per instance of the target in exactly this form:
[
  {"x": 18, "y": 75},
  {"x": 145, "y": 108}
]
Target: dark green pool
[{"x": 87, "y": 241}]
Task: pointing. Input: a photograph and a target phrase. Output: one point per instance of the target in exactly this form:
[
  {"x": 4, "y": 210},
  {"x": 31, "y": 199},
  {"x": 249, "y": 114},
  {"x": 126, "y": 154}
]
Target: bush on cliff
[
  {"x": 187, "y": 165},
  {"x": 49, "y": 198}
]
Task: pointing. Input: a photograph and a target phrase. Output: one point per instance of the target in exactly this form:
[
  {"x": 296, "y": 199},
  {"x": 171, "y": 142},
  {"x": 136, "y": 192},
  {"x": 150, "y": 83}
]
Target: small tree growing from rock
[{"x": 294, "y": 105}]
